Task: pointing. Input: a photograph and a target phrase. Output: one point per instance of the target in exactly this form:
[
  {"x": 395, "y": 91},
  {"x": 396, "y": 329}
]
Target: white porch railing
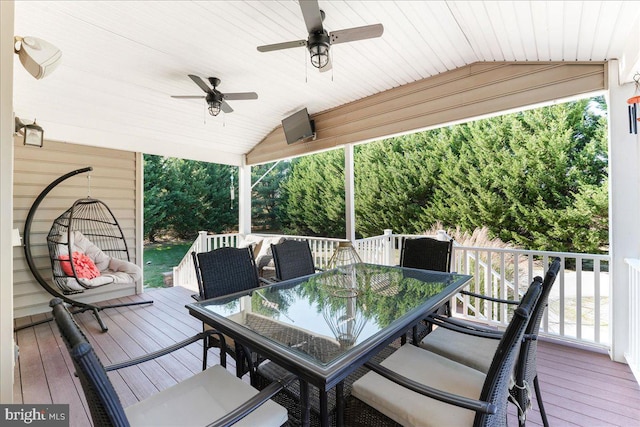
[
  {"x": 184, "y": 274},
  {"x": 633, "y": 354},
  {"x": 578, "y": 308}
]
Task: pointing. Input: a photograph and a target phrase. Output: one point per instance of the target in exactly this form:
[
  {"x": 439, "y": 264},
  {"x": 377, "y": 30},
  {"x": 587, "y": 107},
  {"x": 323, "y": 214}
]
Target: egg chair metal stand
[{"x": 66, "y": 281}]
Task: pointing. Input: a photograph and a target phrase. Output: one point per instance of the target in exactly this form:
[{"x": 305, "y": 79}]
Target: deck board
[{"x": 579, "y": 387}]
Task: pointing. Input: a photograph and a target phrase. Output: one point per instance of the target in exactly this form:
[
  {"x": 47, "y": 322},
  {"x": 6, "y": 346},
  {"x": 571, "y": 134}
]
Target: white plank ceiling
[{"x": 122, "y": 60}]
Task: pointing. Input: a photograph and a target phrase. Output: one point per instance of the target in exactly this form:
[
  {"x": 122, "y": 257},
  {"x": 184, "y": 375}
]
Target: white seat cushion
[
  {"x": 202, "y": 399},
  {"x": 412, "y": 409},
  {"x": 469, "y": 350}
]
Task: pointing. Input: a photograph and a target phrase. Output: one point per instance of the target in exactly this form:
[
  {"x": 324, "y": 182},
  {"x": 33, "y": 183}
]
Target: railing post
[
  {"x": 442, "y": 235},
  {"x": 202, "y": 242},
  {"x": 387, "y": 246},
  {"x": 177, "y": 280}
]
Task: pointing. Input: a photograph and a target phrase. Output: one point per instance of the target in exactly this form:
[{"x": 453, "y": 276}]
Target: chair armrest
[
  {"x": 503, "y": 301},
  {"x": 270, "y": 281},
  {"x": 434, "y": 393},
  {"x": 167, "y": 350},
  {"x": 464, "y": 329},
  {"x": 196, "y": 297},
  {"x": 254, "y": 403},
  {"x": 445, "y": 321}
]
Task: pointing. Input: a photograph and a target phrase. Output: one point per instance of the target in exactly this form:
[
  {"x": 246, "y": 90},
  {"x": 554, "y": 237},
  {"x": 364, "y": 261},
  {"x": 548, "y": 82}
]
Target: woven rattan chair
[
  {"x": 417, "y": 387},
  {"x": 211, "y": 397},
  {"x": 221, "y": 272},
  {"x": 292, "y": 258},
  {"x": 225, "y": 271},
  {"x": 455, "y": 337},
  {"x": 426, "y": 253}
]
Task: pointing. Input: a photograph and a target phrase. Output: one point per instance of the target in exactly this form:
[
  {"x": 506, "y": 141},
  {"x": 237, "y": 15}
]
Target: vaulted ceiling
[{"x": 122, "y": 61}]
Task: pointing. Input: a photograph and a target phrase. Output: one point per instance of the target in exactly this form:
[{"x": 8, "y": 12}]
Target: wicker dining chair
[
  {"x": 221, "y": 272},
  {"x": 292, "y": 258},
  {"x": 211, "y": 397},
  {"x": 453, "y": 339},
  {"x": 427, "y": 253},
  {"x": 417, "y": 387}
]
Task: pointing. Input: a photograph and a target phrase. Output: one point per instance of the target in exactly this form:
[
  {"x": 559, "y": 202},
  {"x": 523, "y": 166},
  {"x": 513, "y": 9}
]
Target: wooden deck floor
[{"x": 580, "y": 388}]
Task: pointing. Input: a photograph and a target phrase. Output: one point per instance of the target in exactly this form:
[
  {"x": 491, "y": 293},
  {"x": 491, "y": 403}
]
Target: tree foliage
[
  {"x": 313, "y": 196},
  {"x": 266, "y": 194},
  {"x": 537, "y": 179},
  {"x": 182, "y": 197}
]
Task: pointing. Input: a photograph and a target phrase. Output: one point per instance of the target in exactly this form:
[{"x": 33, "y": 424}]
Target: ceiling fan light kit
[
  {"x": 319, "y": 49},
  {"x": 214, "y": 107}
]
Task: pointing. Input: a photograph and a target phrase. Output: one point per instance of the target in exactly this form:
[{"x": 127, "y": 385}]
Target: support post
[
  {"x": 349, "y": 190},
  {"x": 624, "y": 205},
  {"x": 244, "y": 198},
  {"x": 388, "y": 246},
  {"x": 7, "y": 345}
]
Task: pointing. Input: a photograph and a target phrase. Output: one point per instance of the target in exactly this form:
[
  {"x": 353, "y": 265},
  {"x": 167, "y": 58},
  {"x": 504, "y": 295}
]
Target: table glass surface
[{"x": 323, "y": 316}]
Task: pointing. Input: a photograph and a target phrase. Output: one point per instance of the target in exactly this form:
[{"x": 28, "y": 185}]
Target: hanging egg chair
[{"x": 87, "y": 249}]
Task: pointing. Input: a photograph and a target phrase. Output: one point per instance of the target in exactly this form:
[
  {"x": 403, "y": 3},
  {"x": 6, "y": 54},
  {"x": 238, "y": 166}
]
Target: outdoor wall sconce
[{"x": 32, "y": 133}]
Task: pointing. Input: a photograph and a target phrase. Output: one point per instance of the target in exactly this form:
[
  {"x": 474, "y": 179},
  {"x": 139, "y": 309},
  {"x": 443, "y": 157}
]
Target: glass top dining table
[{"x": 323, "y": 326}]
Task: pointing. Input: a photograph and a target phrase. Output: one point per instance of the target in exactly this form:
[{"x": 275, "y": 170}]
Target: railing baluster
[
  {"x": 596, "y": 296},
  {"x": 578, "y": 297}
]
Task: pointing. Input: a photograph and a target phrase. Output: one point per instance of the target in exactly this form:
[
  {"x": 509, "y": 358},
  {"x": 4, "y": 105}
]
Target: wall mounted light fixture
[{"x": 32, "y": 133}]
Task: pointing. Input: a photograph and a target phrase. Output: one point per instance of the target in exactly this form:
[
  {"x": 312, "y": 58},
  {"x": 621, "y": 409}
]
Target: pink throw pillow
[{"x": 85, "y": 267}]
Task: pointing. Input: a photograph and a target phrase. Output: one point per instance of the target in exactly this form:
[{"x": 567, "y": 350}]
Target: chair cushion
[
  {"x": 254, "y": 241},
  {"x": 469, "y": 350},
  {"x": 125, "y": 270},
  {"x": 202, "y": 399},
  {"x": 265, "y": 256},
  {"x": 80, "y": 243},
  {"x": 412, "y": 409}
]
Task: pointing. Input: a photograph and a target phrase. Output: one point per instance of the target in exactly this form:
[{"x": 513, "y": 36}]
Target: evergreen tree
[
  {"x": 314, "y": 195},
  {"x": 155, "y": 200},
  {"x": 266, "y": 195},
  {"x": 183, "y": 197}
]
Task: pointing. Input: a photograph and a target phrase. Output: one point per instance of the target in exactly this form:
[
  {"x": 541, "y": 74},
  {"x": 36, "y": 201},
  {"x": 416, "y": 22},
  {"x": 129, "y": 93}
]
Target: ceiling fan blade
[
  {"x": 197, "y": 80},
  {"x": 241, "y": 96},
  {"x": 280, "y": 46},
  {"x": 312, "y": 15},
  {"x": 188, "y": 96},
  {"x": 356, "y": 33},
  {"x": 225, "y": 107}
]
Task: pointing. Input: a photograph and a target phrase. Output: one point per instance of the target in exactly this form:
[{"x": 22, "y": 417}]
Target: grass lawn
[{"x": 161, "y": 258}]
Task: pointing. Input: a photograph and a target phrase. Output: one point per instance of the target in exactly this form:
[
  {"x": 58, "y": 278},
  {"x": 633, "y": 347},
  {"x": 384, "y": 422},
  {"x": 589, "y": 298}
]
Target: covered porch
[{"x": 483, "y": 81}]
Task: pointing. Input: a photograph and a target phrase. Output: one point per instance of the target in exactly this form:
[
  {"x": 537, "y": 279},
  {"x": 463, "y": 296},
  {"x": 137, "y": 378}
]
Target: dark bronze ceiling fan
[
  {"x": 319, "y": 40},
  {"x": 216, "y": 100}
]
